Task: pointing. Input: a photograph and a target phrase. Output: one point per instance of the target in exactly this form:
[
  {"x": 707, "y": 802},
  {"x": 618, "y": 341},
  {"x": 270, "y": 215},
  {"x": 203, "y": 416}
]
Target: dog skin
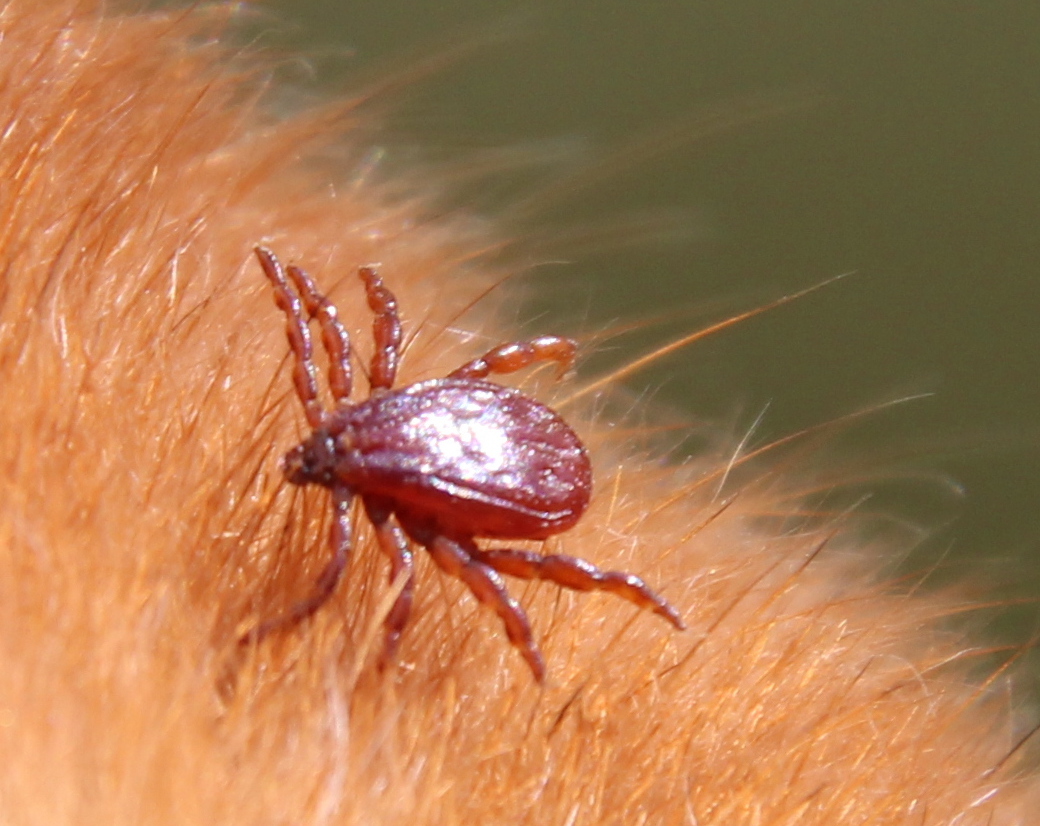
[{"x": 145, "y": 522}]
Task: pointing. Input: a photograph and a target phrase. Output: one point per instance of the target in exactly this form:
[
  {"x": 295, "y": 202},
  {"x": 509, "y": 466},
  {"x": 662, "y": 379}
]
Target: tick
[{"x": 438, "y": 464}]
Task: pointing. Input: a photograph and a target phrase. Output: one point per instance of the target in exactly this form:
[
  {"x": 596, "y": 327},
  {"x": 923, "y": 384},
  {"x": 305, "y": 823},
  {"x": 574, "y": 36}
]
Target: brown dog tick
[{"x": 439, "y": 463}]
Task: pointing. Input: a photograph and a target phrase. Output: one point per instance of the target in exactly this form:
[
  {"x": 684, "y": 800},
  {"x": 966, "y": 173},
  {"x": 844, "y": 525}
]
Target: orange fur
[{"x": 144, "y": 521}]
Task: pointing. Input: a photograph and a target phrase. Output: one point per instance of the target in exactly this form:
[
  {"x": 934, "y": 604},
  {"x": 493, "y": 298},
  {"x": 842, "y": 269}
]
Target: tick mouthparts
[{"x": 292, "y": 465}]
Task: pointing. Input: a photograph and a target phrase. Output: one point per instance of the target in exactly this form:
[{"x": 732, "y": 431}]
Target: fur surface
[{"x": 144, "y": 523}]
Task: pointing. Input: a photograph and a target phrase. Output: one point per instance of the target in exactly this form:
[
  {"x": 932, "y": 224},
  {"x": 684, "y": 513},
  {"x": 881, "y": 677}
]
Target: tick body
[{"x": 439, "y": 463}]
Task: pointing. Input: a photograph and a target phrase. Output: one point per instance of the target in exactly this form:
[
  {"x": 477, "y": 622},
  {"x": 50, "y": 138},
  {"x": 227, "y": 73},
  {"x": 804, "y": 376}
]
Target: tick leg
[
  {"x": 508, "y": 358},
  {"x": 393, "y": 543},
  {"x": 299, "y": 336},
  {"x": 386, "y": 329},
  {"x": 340, "y": 540},
  {"x": 578, "y": 575},
  {"x": 488, "y": 587},
  {"x": 334, "y": 337}
]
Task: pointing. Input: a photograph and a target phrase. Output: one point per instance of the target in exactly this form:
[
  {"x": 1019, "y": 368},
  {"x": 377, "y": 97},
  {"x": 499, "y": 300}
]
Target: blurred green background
[{"x": 900, "y": 140}]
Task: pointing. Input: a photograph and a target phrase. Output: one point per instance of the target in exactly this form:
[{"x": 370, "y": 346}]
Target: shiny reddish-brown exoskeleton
[{"x": 439, "y": 463}]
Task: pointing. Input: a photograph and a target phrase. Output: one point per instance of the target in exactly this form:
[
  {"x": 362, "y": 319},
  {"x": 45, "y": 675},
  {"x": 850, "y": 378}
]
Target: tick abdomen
[{"x": 476, "y": 456}]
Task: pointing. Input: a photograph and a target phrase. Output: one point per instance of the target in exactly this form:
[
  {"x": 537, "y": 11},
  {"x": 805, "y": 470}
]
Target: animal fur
[{"x": 144, "y": 522}]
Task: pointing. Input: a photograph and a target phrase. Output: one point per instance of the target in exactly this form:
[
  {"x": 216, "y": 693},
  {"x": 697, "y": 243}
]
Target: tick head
[{"x": 313, "y": 461}]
